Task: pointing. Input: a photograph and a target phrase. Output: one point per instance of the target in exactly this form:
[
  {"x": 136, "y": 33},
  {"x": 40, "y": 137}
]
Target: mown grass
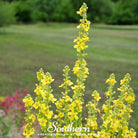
[{"x": 24, "y": 49}]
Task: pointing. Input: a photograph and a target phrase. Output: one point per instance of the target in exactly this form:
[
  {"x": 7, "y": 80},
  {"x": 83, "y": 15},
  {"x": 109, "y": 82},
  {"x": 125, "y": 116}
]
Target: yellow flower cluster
[
  {"x": 115, "y": 113},
  {"x": 28, "y": 101},
  {"x": 64, "y": 102},
  {"x": 43, "y": 101},
  {"x": 92, "y": 112},
  {"x": 80, "y": 68},
  {"x": 41, "y": 104},
  {"x": 30, "y": 118}
]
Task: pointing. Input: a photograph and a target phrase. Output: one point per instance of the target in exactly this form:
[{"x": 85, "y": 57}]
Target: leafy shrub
[
  {"x": 6, "y": 13},
  {"x": 63, "y": 12},
  {"x": 115, "y": 113},
  {"x": 100, "y": 11},
  {"x": 45, "y": 10},
  {"x": 22, "y": 11},
  {"x": 38, "y": 10},
  {"x": 135, "y": 11},
  {"x": 123, "y": 13}
]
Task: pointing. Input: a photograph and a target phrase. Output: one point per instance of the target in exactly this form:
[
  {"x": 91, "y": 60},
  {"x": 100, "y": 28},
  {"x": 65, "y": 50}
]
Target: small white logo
[{"x": 68, "y": 128}]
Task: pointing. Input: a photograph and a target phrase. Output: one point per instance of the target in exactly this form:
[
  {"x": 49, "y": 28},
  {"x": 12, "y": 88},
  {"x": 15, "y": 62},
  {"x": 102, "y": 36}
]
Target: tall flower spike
[
  {"x": 44, "y": 99},
  {"x": 92, "y": 112},
  {"x": 80, "y": 69},
  {"x": 30, "y": 118}
]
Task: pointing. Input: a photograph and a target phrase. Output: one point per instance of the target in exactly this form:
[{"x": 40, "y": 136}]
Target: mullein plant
[
  {"x": 115, "y": 113},
  {"x": 80, "y": 69},
  {"x": 41, "y": 104},
  {"x": 65, "y": 102}
]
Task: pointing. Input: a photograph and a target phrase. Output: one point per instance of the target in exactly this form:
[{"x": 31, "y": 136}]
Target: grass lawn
[{"x": 24, "y": 49}]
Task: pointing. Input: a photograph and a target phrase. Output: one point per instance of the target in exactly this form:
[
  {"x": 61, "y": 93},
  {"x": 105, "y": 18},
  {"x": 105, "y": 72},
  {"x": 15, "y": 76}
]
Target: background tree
[
  {"x": 105, "y": 11},
  {"x": 123, "y": 13},
  {"x": 22, "y": 11},
  {"x": 6, "y": 16},
  {"x": 135, "y": 11},
  {"x": 43, "y": 9},
  {"x": 64, "y": 11}
]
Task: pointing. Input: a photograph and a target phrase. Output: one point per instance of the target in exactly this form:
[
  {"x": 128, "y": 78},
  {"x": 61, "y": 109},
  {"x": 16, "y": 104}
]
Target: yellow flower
[
  {"x": 28, "y": 100},
  {"x": 55, "y": 116},
  {"x": 48, "y": 114},
  {"x": 43, "y": 108},
  {"x": 51, "y": 98},
  {"x": 86, "y": 70},
  {"x": 80, "y": 11},
  {"x": 116, "y": 102},
  {"x": 68, "y": 83},
  {"x": 77, "y": 39},
  {"x": 104, "y": 134},
  {"x": 38, "y": 90},
  {"x": 40, "y": 74},
  {"x": 79, "y": 102},
  {"x": 130, "y": 99},
  {"x": 126, "y": 79},
  {"x": 105, "y": 108},
  {"x": 92, "y": 123},
  {"x": 84, "y": 39},
  {"x": 72, "y": 105},
  {"x": 1, "y": 98},
  {"x": 108, "y": 93},
  {"x": 67, "y": 99},
  {"x": 47, "y": 79},
  {"x": 125, "y": 132},
  {"x": 80, "y": 46},
  {"x": 28, "y": 131},
  {"x": 42, "y": 121},
  {"x": 79, "y": 108},
  {"x": 77, "y": 70},
  {"x": 111, "y": 80},
  {"x": 77, "y": 87},
  {"x": 115, "y": 124},
  {"x": 78, "y": 105},
  {"x": 73, "y": 115},
  {"x": 32, "y": 117},
  {"x": 132, "y": 134},
  {"x": 96, "y": 95},
  {"x": 58, "y": 104},
  {"x": 61, "y": 114}
]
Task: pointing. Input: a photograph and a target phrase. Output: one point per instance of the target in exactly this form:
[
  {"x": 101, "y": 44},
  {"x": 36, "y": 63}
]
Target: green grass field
[{"x": 24, "y": 49}]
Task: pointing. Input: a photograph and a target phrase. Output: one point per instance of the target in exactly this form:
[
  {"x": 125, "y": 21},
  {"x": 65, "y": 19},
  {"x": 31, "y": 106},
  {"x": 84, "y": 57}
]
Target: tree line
[{"x": 100, "y": 11}]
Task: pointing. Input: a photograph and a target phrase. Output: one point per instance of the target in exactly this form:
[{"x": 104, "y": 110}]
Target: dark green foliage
[
  {"x": 123, "y": 13},
  {"x": 64, "y": 11},
  {"x": 106, "y": 11},
  {"x": 43, "y": 9},
  {"x": 114, "y": 0},
  {"x": 135, "y": 10},
  {"x": 100, "y": 10},
  {"x": 53, "y": 10},
  {"x": 23, "y": 11},
  {"x": 6, "y": 16}
]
